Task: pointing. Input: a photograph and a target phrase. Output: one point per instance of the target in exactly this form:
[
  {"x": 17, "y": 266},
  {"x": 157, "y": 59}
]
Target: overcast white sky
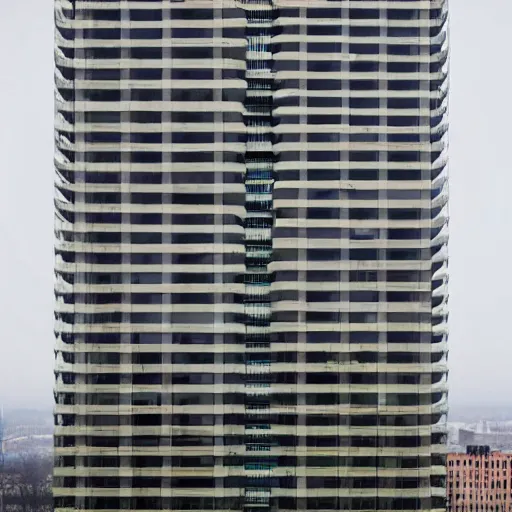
[{"x": 481, "y": 204}]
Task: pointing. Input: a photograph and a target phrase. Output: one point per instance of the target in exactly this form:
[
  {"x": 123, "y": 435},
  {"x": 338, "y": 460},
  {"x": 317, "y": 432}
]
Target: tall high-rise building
[{"x": 251, "y": 255}]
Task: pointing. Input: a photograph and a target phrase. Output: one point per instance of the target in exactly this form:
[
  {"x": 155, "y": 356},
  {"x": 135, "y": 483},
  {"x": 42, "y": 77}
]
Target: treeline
[{"x": 26, "y": 484}]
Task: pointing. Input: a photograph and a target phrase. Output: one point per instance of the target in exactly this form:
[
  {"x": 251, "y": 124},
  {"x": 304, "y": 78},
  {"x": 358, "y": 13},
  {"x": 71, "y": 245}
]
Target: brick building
[{"x": 479, "y": 481}]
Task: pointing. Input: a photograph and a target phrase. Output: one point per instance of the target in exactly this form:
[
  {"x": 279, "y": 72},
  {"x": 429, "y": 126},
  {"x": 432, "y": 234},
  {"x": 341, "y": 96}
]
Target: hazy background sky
[{"x": 481, "y": 203}]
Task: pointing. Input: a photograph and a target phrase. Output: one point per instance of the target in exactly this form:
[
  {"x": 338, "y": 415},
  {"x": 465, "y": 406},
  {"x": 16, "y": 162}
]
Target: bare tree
[{"x": 25, "y": 484}]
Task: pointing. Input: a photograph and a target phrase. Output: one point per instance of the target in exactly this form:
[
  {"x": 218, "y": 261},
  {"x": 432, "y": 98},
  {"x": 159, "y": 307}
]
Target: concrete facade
[{"x": 251, "y": 294}]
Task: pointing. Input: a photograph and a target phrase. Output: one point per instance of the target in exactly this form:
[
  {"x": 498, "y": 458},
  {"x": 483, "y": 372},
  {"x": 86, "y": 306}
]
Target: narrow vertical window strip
[{"x": 259, "y": 181}]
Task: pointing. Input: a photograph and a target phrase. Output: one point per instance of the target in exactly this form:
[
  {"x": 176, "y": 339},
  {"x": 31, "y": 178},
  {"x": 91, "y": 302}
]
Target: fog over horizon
[{"x": 480, "y": 207}]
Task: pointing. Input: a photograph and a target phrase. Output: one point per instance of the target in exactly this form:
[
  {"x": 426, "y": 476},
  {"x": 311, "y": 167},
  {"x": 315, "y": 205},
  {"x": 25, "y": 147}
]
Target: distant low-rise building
[
  {"x": 479, "y": 480},
  {"x": 496, "y": 435}
]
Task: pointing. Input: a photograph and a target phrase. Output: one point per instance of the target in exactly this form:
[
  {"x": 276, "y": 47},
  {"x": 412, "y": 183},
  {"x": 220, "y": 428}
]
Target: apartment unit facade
[
  {"x": 251, "y": 255},
  {"x": 479, "y": 480}
]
